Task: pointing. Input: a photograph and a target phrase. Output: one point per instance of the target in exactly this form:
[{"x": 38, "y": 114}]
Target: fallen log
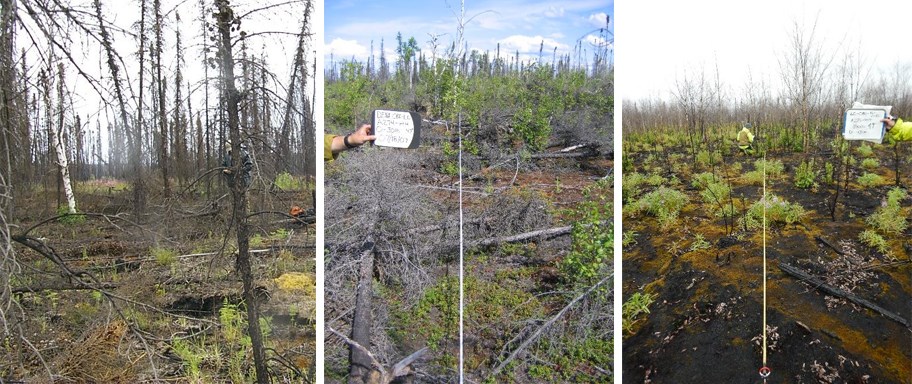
[
  {"x": 833, "y": 291},
  {"x": 544, "y": 234},
  {"x": 361, "y": 361},
  {"x": 381, "y": 375},
  {"x": 829, "y": 244},
  {"x": 61, "y": 287},
  {"x": 564, "y": 155}
]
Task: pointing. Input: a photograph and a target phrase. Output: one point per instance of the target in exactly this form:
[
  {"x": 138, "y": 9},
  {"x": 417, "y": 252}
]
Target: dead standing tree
[
  {"x": 226, "y": 23},
  {"x": 804, "y": 69}
]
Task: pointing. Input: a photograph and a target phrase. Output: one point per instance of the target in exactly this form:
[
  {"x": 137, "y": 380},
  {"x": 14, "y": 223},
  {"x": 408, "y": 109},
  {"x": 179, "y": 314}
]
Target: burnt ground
[
  {"x": 173, "y": 278},
  {"x": 706, "y": 321}
]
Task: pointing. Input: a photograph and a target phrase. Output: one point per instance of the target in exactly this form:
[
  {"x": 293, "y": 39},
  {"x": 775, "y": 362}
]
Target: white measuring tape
[
  {"x": 764, "y": 371},
  {"x": 461, "y": 289}
]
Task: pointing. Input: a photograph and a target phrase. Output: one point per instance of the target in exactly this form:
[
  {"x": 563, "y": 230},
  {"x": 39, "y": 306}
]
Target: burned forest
[
  {"x": 831, "y": 227},
  {"x": 157, "y": 191},
  {"x": 518, "y": 150}
]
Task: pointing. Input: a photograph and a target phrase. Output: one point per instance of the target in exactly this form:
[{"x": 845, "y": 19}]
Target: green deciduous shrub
[
  {"x": 630, "y": 186},
  {"x": 870, "y": 163},
  {"x": 874, "y": 240},
  {"x": 592, "y": 237},
  {"x": 706, "y": 158},
  {"x": 663, "y": 203},
  {"x": 636, "y": 305},
  {"x": 870, "y": 180},
  {"x": 774, "y": 169},
  {"x": 889, "y": 218},
  {"x": 286, "y": 182},
  {"x": 349, "y": 96},
  {"x": 778, "y": 210},
  {"x": 701, "y": 180},
  {"x": 805, "y": 174}
]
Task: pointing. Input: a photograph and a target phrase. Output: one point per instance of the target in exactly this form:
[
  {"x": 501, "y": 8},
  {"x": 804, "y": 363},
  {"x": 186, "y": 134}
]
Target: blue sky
[{"x": 516, "y": 24}]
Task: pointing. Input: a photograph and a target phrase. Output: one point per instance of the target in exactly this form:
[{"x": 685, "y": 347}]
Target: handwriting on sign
[
  {"x": 393, "y": 128},
  {"x": 864, "y": 124}
]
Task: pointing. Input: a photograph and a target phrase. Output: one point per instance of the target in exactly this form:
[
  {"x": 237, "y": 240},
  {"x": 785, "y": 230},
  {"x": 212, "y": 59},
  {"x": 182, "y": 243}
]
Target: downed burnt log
[
  {"x": 380, "y": 374},
  {"x": 833, "y": 291},
  {"x": 361, "y": 361},
  {"x": 364, "y": 368},
  {"x": 582, "y": 152},
  {"x": 829, "y": 244}
]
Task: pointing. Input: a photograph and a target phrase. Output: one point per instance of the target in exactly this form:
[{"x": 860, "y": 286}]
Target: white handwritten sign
[
  {"x": 864, "y": 124},
  {"x": 397, "y": 129}
]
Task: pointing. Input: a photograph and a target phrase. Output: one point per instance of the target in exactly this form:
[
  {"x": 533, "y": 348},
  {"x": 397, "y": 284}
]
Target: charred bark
[{"x": 226, "y": 21}]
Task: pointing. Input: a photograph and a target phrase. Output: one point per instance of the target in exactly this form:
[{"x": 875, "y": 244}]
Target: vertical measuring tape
[
  {"x": 764, "y": 371},
  {"x": 461, "y": 286}
]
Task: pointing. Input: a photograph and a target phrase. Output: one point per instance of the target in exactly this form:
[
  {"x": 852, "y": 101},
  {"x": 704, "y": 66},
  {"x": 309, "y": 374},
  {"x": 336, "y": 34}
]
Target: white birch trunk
[{"x": 60, "y": 151}]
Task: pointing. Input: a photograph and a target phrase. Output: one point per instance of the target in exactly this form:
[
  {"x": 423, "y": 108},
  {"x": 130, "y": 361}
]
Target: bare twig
[{"x": 547, "y": 324}]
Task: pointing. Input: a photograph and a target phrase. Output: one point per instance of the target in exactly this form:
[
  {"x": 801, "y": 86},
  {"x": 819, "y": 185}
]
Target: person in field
[
  {"x": 334, "y": 145},
  {"x": 746, "y": 139},
  {"x": 246, "y": 167},
  {"x": 897, "y": 129}
]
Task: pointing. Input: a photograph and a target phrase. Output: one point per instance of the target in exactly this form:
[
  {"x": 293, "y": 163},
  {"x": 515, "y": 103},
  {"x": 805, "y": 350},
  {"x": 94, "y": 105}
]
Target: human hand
[
  {"x": 361, "y": 135},
  {"x": 889, "y": 121}
]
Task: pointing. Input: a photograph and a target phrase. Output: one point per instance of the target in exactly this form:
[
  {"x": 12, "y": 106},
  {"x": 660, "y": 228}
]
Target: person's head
[{"x": 747, "y": 126}]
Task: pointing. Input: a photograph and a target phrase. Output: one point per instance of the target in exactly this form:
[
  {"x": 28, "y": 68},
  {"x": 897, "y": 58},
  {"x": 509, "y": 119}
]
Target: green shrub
[
  {"x": 865, "y": 150},
  {"x": 805, "y": 174},
  {"x": 828, "y": 173},
  {"x": 896, "y": 195},
  {"x": 774, "y": 169},
  {"x": 70, "y": 218},
  {"x": 870, "y": 180},
  {"x": 870, "y": 163},
  {"x": 716, "y": 193},
  {"x": 349, "y": 96},
  {"x": 635, "y": 306},
  {"x": 874, "y": 240},
  {"x": 663, "y": 203},
  {"x": 778, "y": 210},
  {"x": 630, "y": 185},
  {"x": 191, "y": 357},
  {"x": 706, "y": 158},
  {"x": 701, "y": 180},
  {"x": 286, "y": 182},
  {"x": 163, "y": 256},
  {"x": 655, "y": 180},
  {"x": 629, "y": 238},
  {"x": 699, "y": 243},
  {"x": 889, "y": 219},
  {"x": 592, "y": 237}
]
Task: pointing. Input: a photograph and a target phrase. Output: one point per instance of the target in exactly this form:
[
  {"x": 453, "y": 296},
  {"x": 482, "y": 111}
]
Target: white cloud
[
  {"x": 345, "y": 49},
  {"x": 598, "y": 19},
  {"x": 524, "y": 43},
  {"x": 554, "y": 11},
  {"x": 597, "y": 40}
]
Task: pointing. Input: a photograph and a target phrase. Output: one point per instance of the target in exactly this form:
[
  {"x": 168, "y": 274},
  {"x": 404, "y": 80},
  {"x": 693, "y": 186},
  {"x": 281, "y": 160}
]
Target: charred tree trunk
[
  {"x": 179, "y": 123},
  {"x": 162, "y": 116},
  {"x": 226, "y": 21},
  {"x": 139, "y": 187},
  {"x": 8, "y": 109},
  {"x": 361, "y": 368}
]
